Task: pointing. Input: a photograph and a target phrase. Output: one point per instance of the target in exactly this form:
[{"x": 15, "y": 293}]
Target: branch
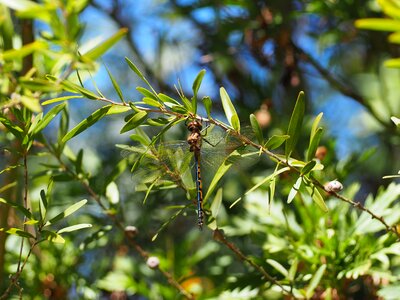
[{"x": 339, "y": 85}]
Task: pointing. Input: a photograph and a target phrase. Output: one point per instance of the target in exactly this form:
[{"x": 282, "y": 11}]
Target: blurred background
[{"x": 263, "y": 53}]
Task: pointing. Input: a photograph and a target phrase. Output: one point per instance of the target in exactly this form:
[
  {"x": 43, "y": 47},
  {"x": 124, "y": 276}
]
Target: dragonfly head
[{"x": 194, "y": 126}]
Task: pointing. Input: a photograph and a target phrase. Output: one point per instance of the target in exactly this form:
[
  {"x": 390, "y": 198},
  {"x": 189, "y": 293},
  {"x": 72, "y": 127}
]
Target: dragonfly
[{"x": 200, "y": 144}]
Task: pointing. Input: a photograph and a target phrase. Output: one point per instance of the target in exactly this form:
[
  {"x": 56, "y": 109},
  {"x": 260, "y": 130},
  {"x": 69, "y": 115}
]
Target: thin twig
[{"x": 220, "y": 237}]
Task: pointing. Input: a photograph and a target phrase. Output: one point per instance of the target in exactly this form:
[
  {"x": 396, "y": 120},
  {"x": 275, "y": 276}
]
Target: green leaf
[
  {"x": 37, "y": 84},
  {"x": 146, "y": 92},
  {"x": 216, "y": 204},
  {"x": 59, "y": 99},
  {"x": 72, "y": 87},
  {"x": 229, "y": 110},
  {"x": 19, "y": 232},
  {"x": 392, "y": 63},
  {"x": 294, "y": 189},
  {"x": 378, "y": 24},
  {"x": 22, "y": 209},
  {"x": 262, "y": 182},
  {"x": 256, "y": 129},
  {"x": 308, "y": 167},
  {"x": 14, "y": 129},
  {"x": 86, "y": 123},
  {"x": 135, "y": 121},
  {"x": 100, "y": 49},
  {"x": 314, "y": 142},
  {"x": 52, "y": 236},
  {"x": 207, "y": 105},
  {"x": 43, "y": 198},
  {"x": 151, "y": 102},
  {"x": 223, "y": 168},
  {"x": 317, "y": 198},
  {"x": 118, "y": 109},
  {"x": 275, "y": 141},
  {"x": 315, "y": 280},
  {"x": 394, "y": 37},
  {"x": 74, "y": 228},
  {"x": 70, "y": 210},
  {"x": 296, "y": 120},
  {"x": 135, "y": 69},
  {"x": 167, "y": 99},
  {"x": 277, "y": 266},
  {"x": 23, "y": 51},
  {"x": 115, "y": 85},
  {"x": 197, "y": 82},
  {"x": 31, "y": 103},
  {"x": 51, "y": 114},
  {"x": 396, "y": 121},
  {"x": 112, "y": 193},
  {"x": 138, "y": 73}
]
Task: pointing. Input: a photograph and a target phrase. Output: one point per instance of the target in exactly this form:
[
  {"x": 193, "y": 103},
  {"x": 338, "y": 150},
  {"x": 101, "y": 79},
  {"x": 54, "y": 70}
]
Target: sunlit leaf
[
  {"x": 207, "y": 105},
  {"x": 314, "y": 143},
  {"x": 86, "y": 123},
  {"x": 59, "y": 99},
  {"x": 294, "y": 189},
  {"x": 31, "y": 103},
  {"x": 74, "y": 228},
  {"x": 19, "y": 232},
  {"x": 135, "y": 121},
  {"x": 275, "y": 141},
  {"x": 151, "y": 102},
  {"x": 216, "y": 204},
  {"x": 317, "y": 198},
  {"x": 229, "y": 109},
  {"x": 197, "y": 82},
  {"x": 23, "y": 51},
  {"x": 392, "y": 63},
  {"x": 315, "y": 281},
  {"x": 112, "y": 193},
  {"x": 277, "y": 266},
  {"x": 115, "y": 85},
  {"x": 48, "y": 117},
  {"x": 295, "y": 123},
  {"x": 52, "y": 236},
  {"x": 378, "y": 24},
  {"x": 70, "y": 210},
  {"x": 103, "y": 47}
]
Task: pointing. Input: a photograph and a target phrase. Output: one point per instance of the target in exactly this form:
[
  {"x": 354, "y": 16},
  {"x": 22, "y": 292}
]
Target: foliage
[{"x": 273, "y": 230}]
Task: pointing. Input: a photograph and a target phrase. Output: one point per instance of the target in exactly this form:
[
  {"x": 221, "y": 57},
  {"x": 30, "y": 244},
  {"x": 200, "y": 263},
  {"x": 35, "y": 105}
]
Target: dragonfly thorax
[{"x": 194, "y": 138}]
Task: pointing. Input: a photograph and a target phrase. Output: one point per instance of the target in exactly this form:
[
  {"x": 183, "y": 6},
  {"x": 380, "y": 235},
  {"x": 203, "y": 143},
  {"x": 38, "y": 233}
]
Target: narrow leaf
[
  {"x": 115, "y": 85},
  {"x": 229, "y": 109},
  {"x": 256, "y": 129},
  {"x": 308, "y": 167},
  {"x": 52, "y": 236},
  {"x": 51, "y": 114},
  {"x": 197, "y": 82},
  {"x": 74, "y": 228},
  {"x": 151, "y": 102},
  {"x": 145, "y": 92},
  {"x": 135, "y": 121},
  {"x": 277, "y": 266},
  {"x": 378, "y": 24},
  {"x": 275, "y": 141},
  {"x": 167, "y": 99},
  {"x": 19, "y": 232},
  {"x": 296, "y": 120},
  {"x": 86, "y": 123},
  {"x": 135, "y": 69},
  {"x": 19, "y": 207},
  {"x": 70, "y": 210},
  {"x": 216, "y": 204},
  {"x": 315, "y": 280},
  {"x": 100, "y": 49},
  {"x": 317, "y": 198},
  {"x": 294, "y": 189},
  {"x": 207, "y": 105},
  {"x": 59, "y": 99},
  {"x": 314, "y": 142}
]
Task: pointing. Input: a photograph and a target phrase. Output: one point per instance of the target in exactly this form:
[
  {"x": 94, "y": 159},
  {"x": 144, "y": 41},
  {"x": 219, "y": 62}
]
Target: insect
[
  {"x": 168, "y": 165},
  {"x": 195, "y": 140}
]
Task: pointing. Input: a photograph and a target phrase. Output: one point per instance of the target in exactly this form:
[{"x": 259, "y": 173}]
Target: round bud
[
  {"x": 153, "y": 262},
  {"x": 333, "y": 186}
]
